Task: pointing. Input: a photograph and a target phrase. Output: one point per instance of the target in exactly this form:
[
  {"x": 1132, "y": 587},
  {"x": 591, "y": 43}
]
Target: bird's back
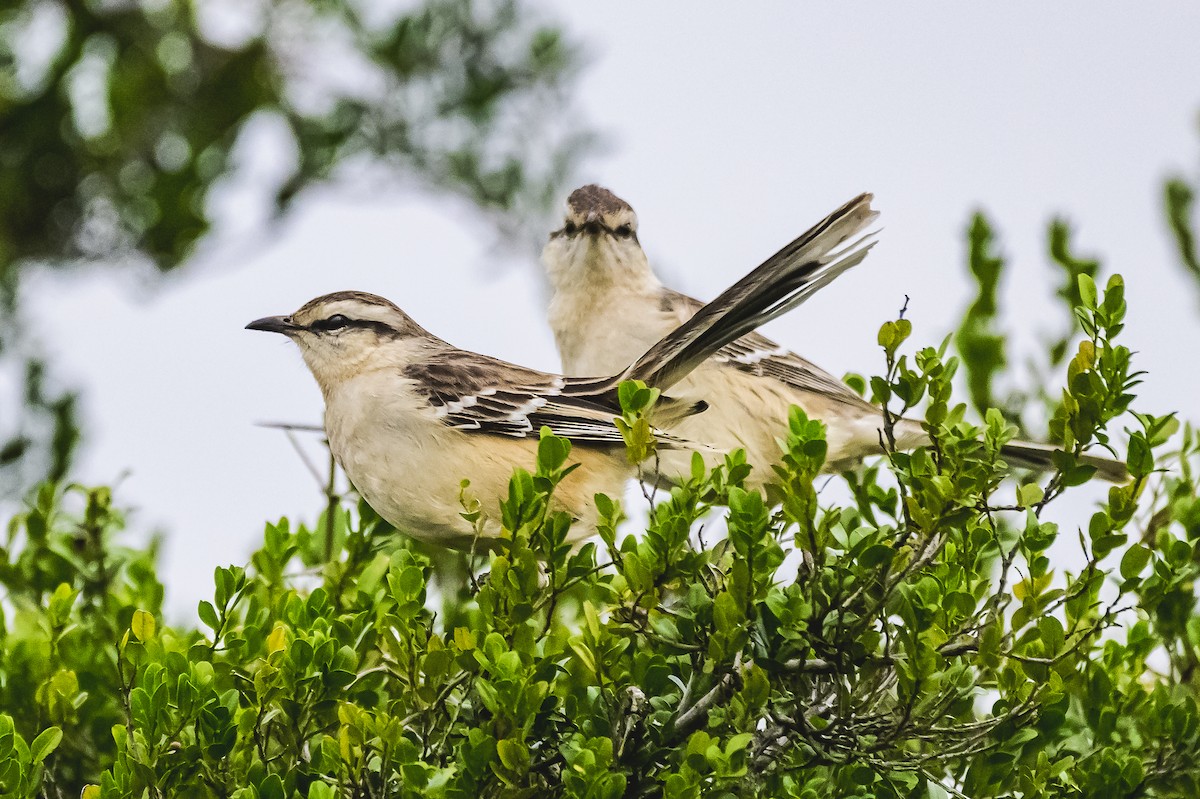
[{"x": 749, "y": 385}]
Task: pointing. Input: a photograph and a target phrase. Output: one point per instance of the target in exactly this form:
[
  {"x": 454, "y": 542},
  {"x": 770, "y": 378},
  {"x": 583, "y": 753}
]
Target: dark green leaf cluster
[{"x": 128, "y": 167}]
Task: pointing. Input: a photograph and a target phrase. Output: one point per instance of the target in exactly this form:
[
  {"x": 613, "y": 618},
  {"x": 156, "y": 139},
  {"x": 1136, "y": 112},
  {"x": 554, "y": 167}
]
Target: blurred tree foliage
[
  {"x": 119, "y": 117},
  {"x": 983, "y": 343},
  {"x": 1179, "y": 195}
]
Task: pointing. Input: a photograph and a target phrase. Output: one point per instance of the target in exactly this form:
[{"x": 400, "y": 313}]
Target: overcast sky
[{"x": 729, "y": 133}]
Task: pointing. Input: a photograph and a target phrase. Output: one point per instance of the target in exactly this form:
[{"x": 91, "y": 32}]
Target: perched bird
[
  {"x": 608, "y": 307},
  {"x": 408, "y": 416}
]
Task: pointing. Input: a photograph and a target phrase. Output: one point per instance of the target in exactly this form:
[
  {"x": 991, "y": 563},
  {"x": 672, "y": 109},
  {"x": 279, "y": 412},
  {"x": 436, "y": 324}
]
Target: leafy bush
[{"x": 918, "y": 638}]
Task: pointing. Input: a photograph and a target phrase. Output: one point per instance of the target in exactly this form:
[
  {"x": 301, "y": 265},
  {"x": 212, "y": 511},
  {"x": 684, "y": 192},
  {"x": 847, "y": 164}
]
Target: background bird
[
  {"x": 409, "y": 416},
  {"x": 608, "y": 306}
]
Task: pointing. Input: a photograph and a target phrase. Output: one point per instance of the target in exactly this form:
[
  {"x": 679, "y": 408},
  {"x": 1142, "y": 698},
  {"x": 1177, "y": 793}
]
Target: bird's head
[
  {"x": 597, "y": 242},
  {"x": 341, "y": 334}
]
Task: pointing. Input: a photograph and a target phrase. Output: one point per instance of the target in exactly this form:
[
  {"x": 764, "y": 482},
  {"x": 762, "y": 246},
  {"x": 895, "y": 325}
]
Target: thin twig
[{"x": 692, "y": 718}]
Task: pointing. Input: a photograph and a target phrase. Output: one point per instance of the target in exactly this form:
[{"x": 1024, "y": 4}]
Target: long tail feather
[
  {"x": 1031, "y": 455},
  {"x": 781, "y": 283},
  {"x": 1040, "y": 457}
]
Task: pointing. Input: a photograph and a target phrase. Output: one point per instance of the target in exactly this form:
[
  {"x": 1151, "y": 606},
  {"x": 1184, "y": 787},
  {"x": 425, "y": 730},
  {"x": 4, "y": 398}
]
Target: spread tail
[{"x": 781, "y": 283}]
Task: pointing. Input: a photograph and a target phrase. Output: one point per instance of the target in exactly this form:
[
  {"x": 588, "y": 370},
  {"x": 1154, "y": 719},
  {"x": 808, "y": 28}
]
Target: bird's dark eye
[
  {"x": 335, "y": 322},
  {"x": 624, "y": 231},
  {"x": 570, "y": 228}
]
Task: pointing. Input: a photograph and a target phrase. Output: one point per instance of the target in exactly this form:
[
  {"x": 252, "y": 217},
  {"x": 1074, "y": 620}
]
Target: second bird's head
[
  {"x": 341, "y": 334},
  {"x": 597, "y": 242}
]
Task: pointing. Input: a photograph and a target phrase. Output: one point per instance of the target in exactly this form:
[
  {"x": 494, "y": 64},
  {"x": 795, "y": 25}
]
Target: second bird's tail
[{"x": 1028, "y": 454}]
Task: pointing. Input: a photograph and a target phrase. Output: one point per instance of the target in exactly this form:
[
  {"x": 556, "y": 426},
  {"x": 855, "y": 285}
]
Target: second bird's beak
[
  {"x": 274, "y": 324},
  {"x": 592, "y": 223}
]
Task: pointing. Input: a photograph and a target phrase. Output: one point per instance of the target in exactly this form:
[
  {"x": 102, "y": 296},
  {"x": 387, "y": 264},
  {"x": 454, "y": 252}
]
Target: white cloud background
[{"x": 730, "y": 130}]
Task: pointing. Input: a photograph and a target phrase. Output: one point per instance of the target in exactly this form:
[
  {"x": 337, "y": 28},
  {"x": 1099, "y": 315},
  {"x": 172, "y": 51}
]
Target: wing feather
[{"x": 478, "y": 394}]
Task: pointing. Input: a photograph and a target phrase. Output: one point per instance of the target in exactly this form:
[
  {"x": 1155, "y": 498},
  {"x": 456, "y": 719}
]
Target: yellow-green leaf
[
  {"x": 464, "y": 639},
  {"x": 277, "y": 640},
  {"x": 1030, "y": 494},
  {"x": 142, "y": 625}
]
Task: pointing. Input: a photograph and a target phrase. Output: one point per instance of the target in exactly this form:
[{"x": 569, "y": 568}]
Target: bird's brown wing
[{"x": 478, "y": 394}]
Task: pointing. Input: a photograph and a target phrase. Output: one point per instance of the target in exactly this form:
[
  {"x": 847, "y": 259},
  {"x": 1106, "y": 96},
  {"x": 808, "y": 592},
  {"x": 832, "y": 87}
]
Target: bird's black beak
[
  {"x": 593, "y": 224},
  {"x": 274, "y": 324}
]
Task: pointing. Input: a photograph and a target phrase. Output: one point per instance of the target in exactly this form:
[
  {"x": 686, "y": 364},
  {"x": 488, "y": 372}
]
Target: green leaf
[
  {"x": 277, "y": 640},
  {"x": 373, "y": 574},
  {"x": 208, "y": 614},
  {"x": 464, "y": 639},
  {"x": 321, "y": 790},
  {"x": 46, "y": 742},
  {"x": 60, "y": 604},
  {"x": 1140, "y": 459},
  {"x": 552, "y": 451},
  {"x": 513, "y": 754},
  {"x": 1087, "y": 290},
  {"x": 271, "y": 788},
  {"x": 142, "y": 625},
  {"x": 887, "y": 336},
  {"x": 877, "y": 555},
  {"x": 1134, "y": 561},
  {"x": 1030, "y": 494}
]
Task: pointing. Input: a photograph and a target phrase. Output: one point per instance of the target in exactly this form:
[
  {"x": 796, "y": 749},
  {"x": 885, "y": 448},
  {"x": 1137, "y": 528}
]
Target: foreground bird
[
  {"x": 409, "y": 416},
  {"x": 608, "y": 307}
]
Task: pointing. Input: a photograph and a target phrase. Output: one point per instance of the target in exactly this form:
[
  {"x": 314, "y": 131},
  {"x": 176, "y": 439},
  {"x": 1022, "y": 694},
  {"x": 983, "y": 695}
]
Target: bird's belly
[
  {"x": 409, "y": 467},
  {"x": 397, "y": 463}
]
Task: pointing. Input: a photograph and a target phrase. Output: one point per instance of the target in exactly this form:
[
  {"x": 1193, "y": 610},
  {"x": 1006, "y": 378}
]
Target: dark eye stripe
[
  {"x": 340, "y": 322},
  {"x": 335, "y": 322},
  {"x": 625, "y": 231}
]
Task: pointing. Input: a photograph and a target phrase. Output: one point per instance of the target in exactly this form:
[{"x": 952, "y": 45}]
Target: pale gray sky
[{"x": 729, "y": 132}]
